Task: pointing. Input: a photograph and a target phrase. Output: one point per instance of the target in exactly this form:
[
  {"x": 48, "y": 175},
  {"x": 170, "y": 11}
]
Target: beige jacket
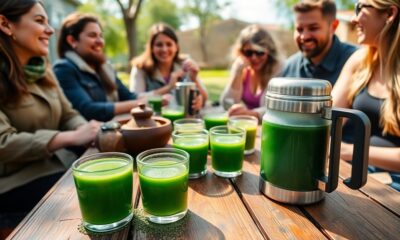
[{"x": 26, "y": 129}]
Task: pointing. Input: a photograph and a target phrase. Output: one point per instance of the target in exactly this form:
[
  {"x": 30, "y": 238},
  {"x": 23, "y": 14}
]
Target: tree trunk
[
  {"x": 130, "y": 27},
  {"x": 203, "y": 44}
]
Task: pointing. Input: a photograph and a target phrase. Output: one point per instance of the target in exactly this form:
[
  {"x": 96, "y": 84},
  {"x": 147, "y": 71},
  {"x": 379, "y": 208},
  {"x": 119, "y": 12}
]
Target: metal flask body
[
  {"x": 297, "y": 162},
  {"x": 185, "y": 93}
]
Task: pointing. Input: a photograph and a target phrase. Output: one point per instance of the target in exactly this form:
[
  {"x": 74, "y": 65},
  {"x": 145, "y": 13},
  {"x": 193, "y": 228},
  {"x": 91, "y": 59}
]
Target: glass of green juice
[
  {"x": 194, "y": 142},
  {"x": 173, "y": 113},
  {"x": 227, "y": 150},
  {"x": 104, "y": 186},
  {"x": 189, "y": 124},
  {"x": 163, "y": 178},
  {"x": 215, "y": 119},
  {"x": 155, "y": 102},
  {"x": 248, "y": 123}
]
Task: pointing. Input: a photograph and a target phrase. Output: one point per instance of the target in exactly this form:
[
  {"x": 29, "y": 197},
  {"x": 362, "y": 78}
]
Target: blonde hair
[
  {"x": 258, "y": 36},
  {"x": 387, "y": 57}
]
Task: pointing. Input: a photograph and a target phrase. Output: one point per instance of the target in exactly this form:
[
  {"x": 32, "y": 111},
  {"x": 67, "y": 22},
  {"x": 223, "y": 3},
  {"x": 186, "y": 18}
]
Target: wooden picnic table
[{"x": 221, "y": 208}]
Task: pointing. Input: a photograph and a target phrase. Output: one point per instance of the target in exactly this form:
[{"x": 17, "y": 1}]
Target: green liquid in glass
[
  {"x": 227, "y": 153},
  {"x": 293, "y": 158},
  {"x": 155, "y": 103},
  {"x": 104, "y": 197},
  {"x": 172, "y": 114},
  {"x": 251, "y": 130},
  {"x": 197, "y": 149},
  {"x": 212, "y": 120},
  {"x": 164, "y": 189}
]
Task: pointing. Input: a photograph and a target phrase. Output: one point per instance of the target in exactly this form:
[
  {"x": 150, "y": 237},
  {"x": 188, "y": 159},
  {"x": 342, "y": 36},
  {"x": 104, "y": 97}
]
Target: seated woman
[
  {"x": 37, "y": 122},
  {"x": 256, "y": 61},
  {"x": 370, "y": 82},
  {"x": 88, "y": 81},
  {"x": 159, "y": 67}
]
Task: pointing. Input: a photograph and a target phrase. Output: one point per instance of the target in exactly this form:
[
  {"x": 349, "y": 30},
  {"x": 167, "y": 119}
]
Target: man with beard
[
  {"x": 322, "y": 55},
  {"x": 88, "y": 81}
]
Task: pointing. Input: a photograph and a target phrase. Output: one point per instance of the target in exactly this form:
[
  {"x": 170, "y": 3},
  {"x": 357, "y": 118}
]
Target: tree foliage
[
  {"x": 154, "y": 12},
  {"x": 113, "y": 30}
]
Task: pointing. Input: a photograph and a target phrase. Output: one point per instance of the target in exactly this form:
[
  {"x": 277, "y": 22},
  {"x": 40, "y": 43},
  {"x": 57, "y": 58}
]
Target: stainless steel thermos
[{"x": 298, "y": 127}]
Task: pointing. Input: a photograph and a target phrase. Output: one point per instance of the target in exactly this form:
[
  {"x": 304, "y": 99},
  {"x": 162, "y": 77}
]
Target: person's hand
[
  {"x": 237, "y": 109},
  {"x": 166, "y": 99},
  {"x": 86, "y": 133},
  {"x": 190, "y": 66},
  {"x": 346, "y": 151},
  {"x": 175, "y": 76},
  {"x": 239, "y": 65},
  {"x": 197, "y": 103}
]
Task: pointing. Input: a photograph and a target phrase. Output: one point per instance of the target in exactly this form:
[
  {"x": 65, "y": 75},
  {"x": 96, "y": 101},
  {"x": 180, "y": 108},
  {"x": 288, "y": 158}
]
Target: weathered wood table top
[{"x": 222, "y": 208}]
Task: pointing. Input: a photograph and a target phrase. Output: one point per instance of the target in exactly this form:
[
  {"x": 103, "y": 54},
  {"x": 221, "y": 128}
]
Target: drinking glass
[
  {"x": 189, "y": 124},
  {"x": 215, "y": 119},
  {"x": 195, "y": 142},
  {"x": 163, "y": 178},
  {"x": 227, "y": 150},
  {"x": 155, "y": 103},
  {"x": 104, "y": 186},
  {"x": 248, "y": 123},
  {"x": 173, "y": 112}
]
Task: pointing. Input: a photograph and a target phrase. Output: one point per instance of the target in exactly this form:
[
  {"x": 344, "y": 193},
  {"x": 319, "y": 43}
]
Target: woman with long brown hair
[
  {"x": 88, "y": 80},
  {"x": 160, "y": 66},
  {"x": 37, "y": 122}
]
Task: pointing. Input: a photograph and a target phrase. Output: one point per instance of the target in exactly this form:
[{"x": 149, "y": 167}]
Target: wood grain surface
[{"x": 221, "y": 208}]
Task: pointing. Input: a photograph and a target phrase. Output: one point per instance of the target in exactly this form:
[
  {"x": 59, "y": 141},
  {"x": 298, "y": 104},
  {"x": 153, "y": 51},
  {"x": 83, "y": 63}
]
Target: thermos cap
[
  {"x": 303, "y": 95},
  {"x": 185, "y": 85}
]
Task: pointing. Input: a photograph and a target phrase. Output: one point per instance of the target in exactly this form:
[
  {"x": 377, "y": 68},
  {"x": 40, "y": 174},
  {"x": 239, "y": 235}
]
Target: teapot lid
[
  {"x": 303, "y": 95},
  {"x": 141, "y": 112}
]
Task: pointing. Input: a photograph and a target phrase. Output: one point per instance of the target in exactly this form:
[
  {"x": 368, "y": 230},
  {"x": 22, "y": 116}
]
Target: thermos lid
[
  {"x": 185, "y": 85},
  {"x": 303, "y": 95}
]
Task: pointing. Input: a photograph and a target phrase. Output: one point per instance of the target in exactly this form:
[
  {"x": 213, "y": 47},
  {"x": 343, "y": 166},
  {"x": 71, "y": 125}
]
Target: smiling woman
[
  {"x": 89, "y": 82},
  {"x": 33, "y": 152},
  {"x": 160, "y": 66},
  {"x": 256, "y": 61}
]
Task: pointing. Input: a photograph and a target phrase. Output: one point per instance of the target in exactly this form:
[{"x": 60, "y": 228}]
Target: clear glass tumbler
[
  {"x": 189, "y": 124},
  {"x": 163, "y": 178},
  {"x": 195, "y": 142},
  {"x": 104, "y": 186},
  {"x": 248, "y": 123},
  {"x": 227, "y": 150}
]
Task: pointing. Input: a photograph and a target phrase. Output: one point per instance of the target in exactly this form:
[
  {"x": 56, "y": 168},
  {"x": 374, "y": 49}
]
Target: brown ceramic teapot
[{"x": 142, "y": 132}]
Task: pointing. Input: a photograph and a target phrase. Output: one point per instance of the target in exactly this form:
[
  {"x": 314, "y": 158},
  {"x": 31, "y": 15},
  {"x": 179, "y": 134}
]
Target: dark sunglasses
[
  {"x": 359, "y": 6},
  {"x": 249, "y": 53}
]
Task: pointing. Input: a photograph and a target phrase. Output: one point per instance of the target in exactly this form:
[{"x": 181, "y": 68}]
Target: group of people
[{"x": 46, "y": 112}]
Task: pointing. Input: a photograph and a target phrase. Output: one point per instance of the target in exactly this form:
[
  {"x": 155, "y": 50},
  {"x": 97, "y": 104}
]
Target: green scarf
[{"x": 35, "y": 69}]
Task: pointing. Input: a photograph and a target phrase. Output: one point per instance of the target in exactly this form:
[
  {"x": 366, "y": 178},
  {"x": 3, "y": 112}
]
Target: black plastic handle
[{"x": 361, "y": 148}]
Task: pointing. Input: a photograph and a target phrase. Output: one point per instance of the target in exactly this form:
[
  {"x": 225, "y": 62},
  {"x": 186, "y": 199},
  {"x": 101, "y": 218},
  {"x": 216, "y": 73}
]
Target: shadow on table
[
  {"x": 211, "y": 185},
  {"x": 192, "y": 226},
  {"x": 247, "y": 183}
]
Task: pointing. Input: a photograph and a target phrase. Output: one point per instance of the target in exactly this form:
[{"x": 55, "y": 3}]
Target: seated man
[{"x": 321, "y": 54}]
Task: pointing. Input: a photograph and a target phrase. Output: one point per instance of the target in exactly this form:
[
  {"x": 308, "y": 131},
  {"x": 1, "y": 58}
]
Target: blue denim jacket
[{"x": 86, "y": 92}]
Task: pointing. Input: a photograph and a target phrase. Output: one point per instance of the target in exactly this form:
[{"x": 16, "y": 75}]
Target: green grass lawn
[{"x": 214, "y": 80}]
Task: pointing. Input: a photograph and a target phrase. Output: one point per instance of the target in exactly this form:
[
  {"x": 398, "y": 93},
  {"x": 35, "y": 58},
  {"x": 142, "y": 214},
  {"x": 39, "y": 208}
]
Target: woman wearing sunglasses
[
  {"x": 370, "y": 82},
  {"x": 256, "y": 61}
]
